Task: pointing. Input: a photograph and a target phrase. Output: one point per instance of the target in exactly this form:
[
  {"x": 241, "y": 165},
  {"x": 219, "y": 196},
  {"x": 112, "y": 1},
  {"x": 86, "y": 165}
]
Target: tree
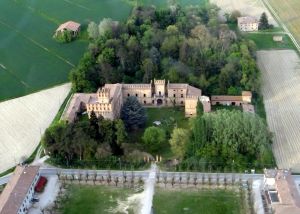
[
  {"x": 64, "y": 36},
  {"x": 133, "y": 114},
  {"x": 263, "y": 22},
  {"x": 121, "y": 134},
  {"x": 94, "y": 126},
  {"x": 93, "y": 30},
  {"x": 149, "y": 69},
  {"x": 179, "y": 140},
  {"x": 106, "y": 26},
  {"x": 154, "y": 138},
  {"x": 234, "y": 16},
  {"x": 199, "y": 108}
]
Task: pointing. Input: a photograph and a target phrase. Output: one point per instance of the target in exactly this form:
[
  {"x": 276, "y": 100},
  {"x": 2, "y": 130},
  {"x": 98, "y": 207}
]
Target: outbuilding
[{"x": 71, "y": 26}]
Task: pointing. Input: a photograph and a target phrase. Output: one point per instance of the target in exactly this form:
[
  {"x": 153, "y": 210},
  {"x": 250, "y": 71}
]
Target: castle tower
[
  {"x": 103, "y": 95},
  {"x": 160, "y": 88}
]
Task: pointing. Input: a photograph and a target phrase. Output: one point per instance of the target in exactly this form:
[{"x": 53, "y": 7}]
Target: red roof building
[{"x": 70, "y": 26}]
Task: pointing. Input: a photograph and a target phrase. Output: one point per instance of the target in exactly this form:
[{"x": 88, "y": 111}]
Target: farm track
[{"x": 281, "y": 77}]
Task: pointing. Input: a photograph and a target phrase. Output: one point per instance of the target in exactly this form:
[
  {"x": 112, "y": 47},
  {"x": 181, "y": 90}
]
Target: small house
[
  {"x": 248, "y": 23},
  {"x": 71, "y": 26}
]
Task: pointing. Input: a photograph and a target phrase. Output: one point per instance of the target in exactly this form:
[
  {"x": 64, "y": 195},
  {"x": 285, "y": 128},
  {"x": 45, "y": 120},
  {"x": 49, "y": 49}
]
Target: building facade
[
  {"x": 248, "y": 23},
  {"x": 18, "y": 193},
  {"x": 108, "y": 100}
]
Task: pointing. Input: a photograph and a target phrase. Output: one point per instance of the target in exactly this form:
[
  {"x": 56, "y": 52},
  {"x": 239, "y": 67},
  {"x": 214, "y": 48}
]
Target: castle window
[
  {"x": 144, "y": 95},
  {"x": 181, "y": 95},
  {"x": 174, "y": 95},
  {"x": 145, "y": 102},
  {"x": 136, "y": 95},
  {"x": 181, "y": 102},
  {"x": 128, "y": 95}
]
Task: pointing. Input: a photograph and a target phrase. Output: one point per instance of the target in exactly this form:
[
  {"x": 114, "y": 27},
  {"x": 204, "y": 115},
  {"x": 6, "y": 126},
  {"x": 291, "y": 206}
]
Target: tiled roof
[
  {"x": 16, "y": 189},
  {"x": 226, "y": 98},
  {"x": 70, "y": 25}
]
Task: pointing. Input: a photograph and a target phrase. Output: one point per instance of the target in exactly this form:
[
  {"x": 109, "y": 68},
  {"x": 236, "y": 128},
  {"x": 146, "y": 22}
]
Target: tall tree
[
  {"x": 133, "y": 113},
  {"x": 93, "y": 30},
  {"x": 263, "y": 22},
  {"x": 121, "y": 134},
  {"x": 179, "y": 140},
  {"x": 199, "y": 108}
]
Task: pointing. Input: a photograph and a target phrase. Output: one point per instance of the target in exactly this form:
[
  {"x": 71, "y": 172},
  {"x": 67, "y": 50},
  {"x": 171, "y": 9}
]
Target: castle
[{"x": 109, "y": 99}]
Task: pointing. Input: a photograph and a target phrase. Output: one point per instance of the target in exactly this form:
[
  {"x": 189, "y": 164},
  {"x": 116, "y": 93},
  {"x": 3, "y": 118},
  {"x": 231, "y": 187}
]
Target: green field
[
  {"x": 265, "y": 41},
  {"x": 30, "y": 59},
  {"x": 93, "y": 199},
  {"x": 195, "y": 202}
]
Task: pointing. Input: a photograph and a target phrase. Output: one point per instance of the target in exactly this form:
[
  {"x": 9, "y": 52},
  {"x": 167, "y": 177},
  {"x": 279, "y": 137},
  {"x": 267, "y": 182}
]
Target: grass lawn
[
  {"x": 169, "y": 117},
  {"x": 195, "y": 202},
  {"x": 265, "y": 41},
  {"x": 93, "y": 199}
]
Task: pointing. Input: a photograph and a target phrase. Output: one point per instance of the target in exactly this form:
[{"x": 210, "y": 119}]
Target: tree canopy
[
  {"x": 85, "y": 140},
  {"x": 231, "y": 138},
  {"x": 179, "y": 44},
  {"x": 154, "y": 138}
]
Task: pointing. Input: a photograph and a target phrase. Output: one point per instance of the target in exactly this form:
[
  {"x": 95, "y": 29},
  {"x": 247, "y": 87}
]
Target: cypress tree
[{"x": 263, "y": 22}]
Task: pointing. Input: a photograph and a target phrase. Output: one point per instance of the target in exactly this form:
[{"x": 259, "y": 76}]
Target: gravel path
[
  {"x": 281, "y": 88},
  {"x": 23, "y": 121}
]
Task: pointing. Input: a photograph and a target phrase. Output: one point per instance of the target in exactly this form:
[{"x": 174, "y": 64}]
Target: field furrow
[
  {"x": 281, "y": 78},
  {"x": 23, "y": 121}
]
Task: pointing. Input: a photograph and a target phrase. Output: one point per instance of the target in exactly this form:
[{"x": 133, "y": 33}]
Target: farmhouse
[
  {"x": 280, "y": 192},
  {"x": 74, "y": 27},
  {"x": 18, "y": 193},
  {"x": 232, "y": 100},
  {"x": 248, "y": 23},
  {"x": 243, "y": 101},
  {"x": 109, "y": 99}
]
